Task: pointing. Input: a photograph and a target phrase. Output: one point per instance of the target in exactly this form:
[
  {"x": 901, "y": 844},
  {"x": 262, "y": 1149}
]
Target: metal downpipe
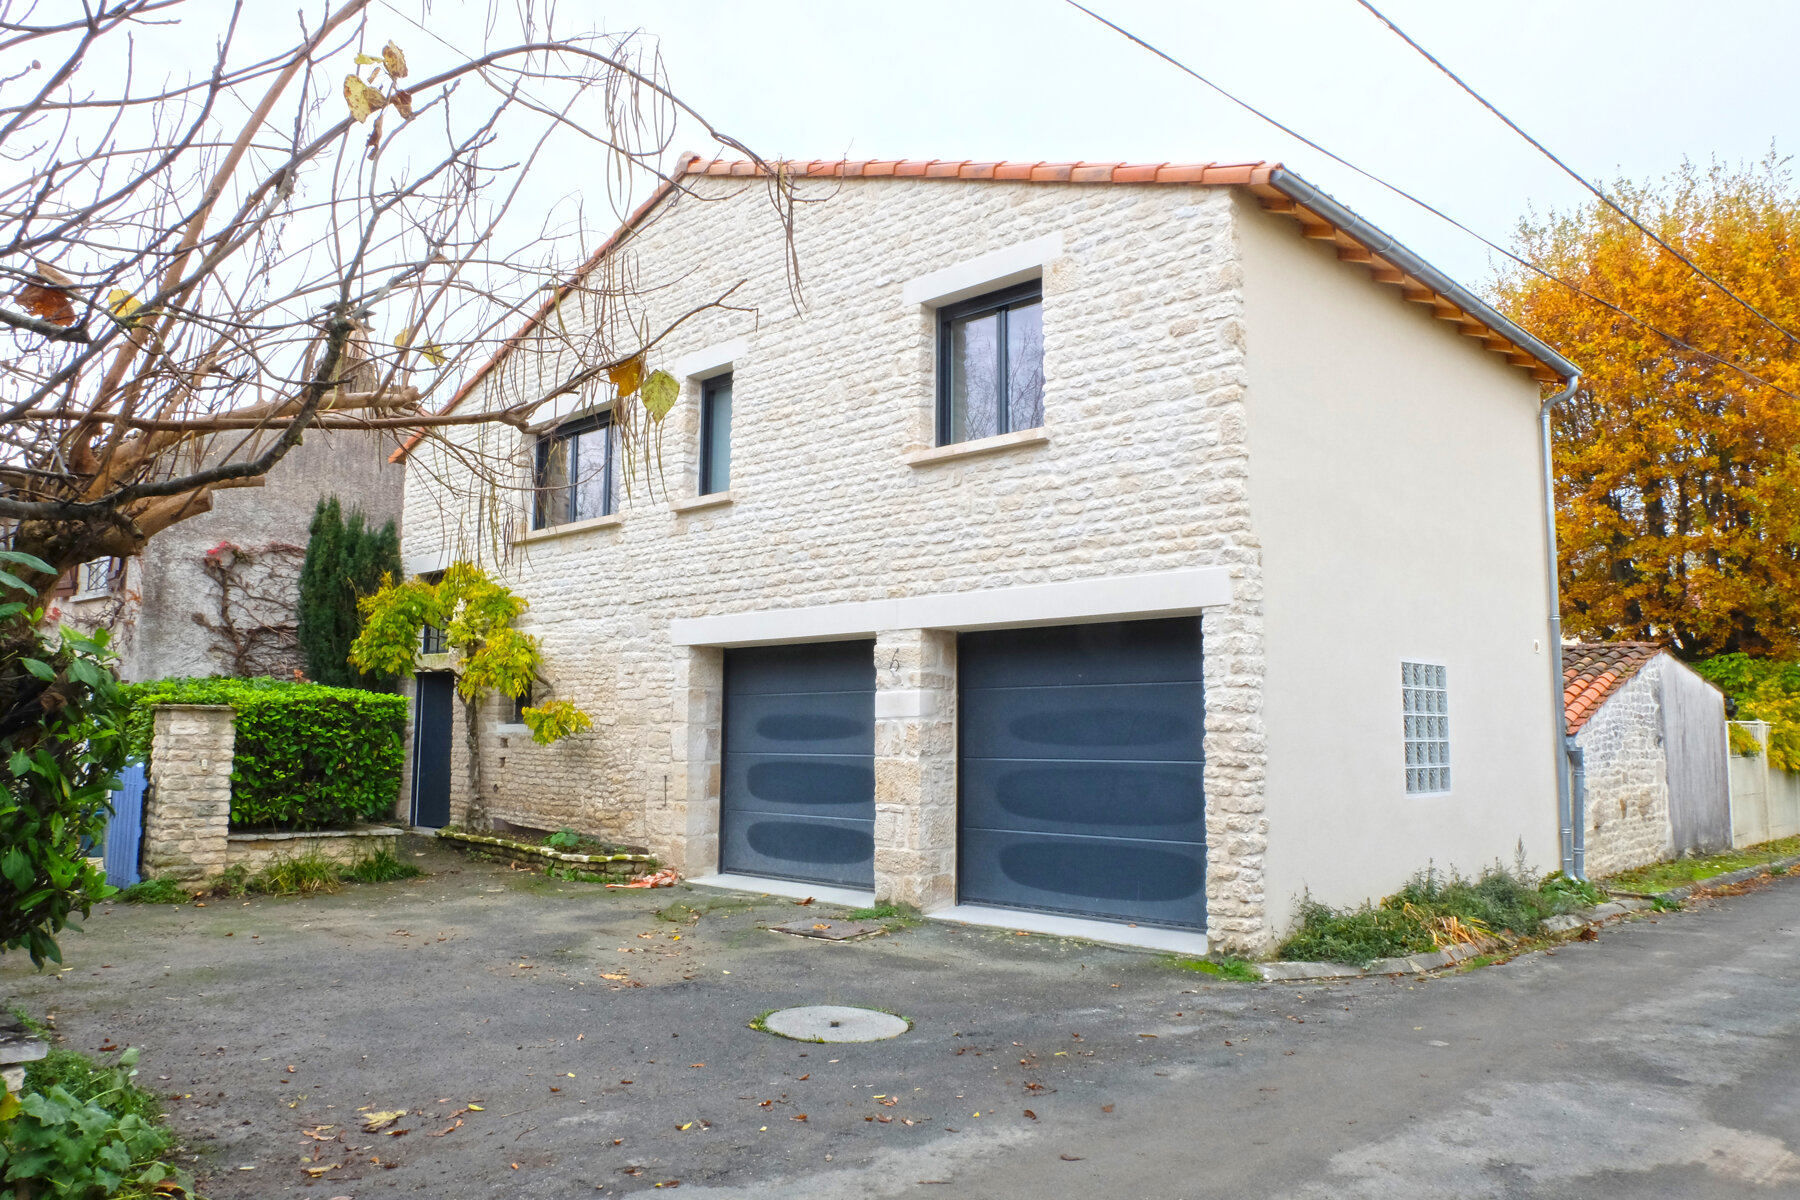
[{"x": 1565, "y": 801}]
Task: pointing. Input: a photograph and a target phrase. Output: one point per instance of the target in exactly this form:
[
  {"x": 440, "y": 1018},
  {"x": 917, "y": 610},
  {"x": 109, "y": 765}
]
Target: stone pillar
[
  {"x": 187, "y": 811},
  {"x": 915, "y": 768},
  {"x": 684, "y": 827}
]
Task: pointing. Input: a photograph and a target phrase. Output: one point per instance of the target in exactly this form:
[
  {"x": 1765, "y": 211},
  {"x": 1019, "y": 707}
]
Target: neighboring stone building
[
  {"x": 1146, "y": 544},
  {"x": 218, "y": 593},
  {"x": 1652, "y": 743}
]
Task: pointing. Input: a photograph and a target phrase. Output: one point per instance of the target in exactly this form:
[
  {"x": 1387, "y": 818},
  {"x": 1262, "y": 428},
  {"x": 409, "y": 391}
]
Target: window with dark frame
[
  {"x": 991, "y": 365},
  {"x": 715, "y": 435},
  {"x": 574, "y": 473}
]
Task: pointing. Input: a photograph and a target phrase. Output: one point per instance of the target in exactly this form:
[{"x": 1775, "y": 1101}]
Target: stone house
[
  {"x": 1648, "y": 739},
  {"x": 219, "y": 593},
  {"x": 1123, "y": 550}
]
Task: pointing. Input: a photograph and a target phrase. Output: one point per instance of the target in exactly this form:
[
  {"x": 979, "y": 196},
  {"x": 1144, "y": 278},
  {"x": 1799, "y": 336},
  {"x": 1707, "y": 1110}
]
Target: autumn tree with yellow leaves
[{"x": 1677, "y": 463}]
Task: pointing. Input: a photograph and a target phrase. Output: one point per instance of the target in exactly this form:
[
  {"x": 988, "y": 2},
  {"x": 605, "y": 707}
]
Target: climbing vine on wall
[{"x": 253, "y": 619}]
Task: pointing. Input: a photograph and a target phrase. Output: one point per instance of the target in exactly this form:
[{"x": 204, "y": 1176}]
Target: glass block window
[{"x": 1425, "y": 703}]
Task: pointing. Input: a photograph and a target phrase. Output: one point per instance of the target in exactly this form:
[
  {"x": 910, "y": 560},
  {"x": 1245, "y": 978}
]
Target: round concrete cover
[{"x": 834, "y": 1023}]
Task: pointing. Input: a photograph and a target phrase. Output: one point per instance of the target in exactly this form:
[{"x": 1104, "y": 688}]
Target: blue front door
[
  {"x": 1080, "y": 778},
  {"x": 797, "y": 785}
]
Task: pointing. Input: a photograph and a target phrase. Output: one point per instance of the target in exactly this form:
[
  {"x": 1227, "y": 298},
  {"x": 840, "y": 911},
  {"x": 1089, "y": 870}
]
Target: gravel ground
[{"x": 551, "y": 1039}]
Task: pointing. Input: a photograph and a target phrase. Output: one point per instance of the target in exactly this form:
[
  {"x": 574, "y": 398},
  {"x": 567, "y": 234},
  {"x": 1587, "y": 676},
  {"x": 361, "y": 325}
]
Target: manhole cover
[{"x": 834, "y": 1023}]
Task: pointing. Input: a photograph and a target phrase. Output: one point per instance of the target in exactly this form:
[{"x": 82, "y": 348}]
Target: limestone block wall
[
  {"x": 187, "y": 809},
  {"x": 1627, "y": 779},
  {"x": 1144, "y": 469},
  {"x": 915, "y": 768},
  {"x": 346, "y": 847}
]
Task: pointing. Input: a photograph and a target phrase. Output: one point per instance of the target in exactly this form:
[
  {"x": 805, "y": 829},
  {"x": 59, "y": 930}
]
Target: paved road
[{"x": 1661, "y": 1060}]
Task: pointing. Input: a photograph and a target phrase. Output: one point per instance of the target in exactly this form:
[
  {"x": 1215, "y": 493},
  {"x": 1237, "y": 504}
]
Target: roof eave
[{"x": 1394, "y": 264}]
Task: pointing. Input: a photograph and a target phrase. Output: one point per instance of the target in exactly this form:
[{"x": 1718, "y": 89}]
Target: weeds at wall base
[{"x": 303, "y": 875}]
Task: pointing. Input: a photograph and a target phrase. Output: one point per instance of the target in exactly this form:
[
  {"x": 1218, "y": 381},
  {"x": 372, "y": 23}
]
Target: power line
[
  {"x": 1576, "y": 289},
  {"x": 1513, "y": 125}
]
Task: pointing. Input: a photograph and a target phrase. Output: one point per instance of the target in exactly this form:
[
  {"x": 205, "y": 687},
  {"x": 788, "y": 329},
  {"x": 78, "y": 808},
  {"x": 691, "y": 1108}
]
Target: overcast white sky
[{"x": 1614, "y": 86}]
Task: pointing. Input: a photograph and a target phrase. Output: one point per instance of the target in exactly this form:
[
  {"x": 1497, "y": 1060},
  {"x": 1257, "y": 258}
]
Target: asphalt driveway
[{"x": 555, "y": 1039}]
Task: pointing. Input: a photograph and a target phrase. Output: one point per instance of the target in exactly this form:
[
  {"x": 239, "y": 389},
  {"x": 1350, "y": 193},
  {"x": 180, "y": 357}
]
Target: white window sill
[
  {"x": 978, "y": 447},
  {"x": 609, "y": 521},
  {"x": 691, "y": 503},
  {"x": 81, "y": 597},
  {"x": 511, "y": 730}
]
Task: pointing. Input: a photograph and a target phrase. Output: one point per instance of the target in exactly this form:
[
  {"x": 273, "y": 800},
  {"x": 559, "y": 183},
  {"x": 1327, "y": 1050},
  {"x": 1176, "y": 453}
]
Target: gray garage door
[
  {"x": 797, "y": 786},
  {"x": 1081, "y": 771}
]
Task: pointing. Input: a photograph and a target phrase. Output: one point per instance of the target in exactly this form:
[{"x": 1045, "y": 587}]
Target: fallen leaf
[
  {"x": 446, "y": 1129},
  {"x": 315, "y": 1172},
  {"x": 1106, "y": 1108},
  {"x": 376, "y": 1121},
  {"x": 1069, "y": 1157},
  {"x": 398, "y": 1132},
  {"x": 614, "y": 975},
  {"x": 1146, "y": 1035},
  {"x": 804, "y": 903},
  {"x": 1029, "y": 1115},
  {"x": 806, "y": 1076},
  {"x": 686, "y": 1127},
  {"x": 798, "y": 1117},
  {"x": 696, "y": 1064},
  {"x": 476, "y": 1108}
]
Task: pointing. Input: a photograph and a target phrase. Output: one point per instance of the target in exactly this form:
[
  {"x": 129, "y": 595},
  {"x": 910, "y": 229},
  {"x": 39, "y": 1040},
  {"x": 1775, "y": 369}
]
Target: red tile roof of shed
[{"x": 1593, "y": 671}]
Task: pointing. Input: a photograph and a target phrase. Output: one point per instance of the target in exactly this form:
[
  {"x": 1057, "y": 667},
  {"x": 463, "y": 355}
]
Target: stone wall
[
  {"x": 1627, "y": 778},
  {"x": 915, "y": 768},
  {"x": 187, "y": 809},
  {"x": 167, "y": 592},
  {"x": 1144, "y": 470},
  {"x": 346, "y": 847}
]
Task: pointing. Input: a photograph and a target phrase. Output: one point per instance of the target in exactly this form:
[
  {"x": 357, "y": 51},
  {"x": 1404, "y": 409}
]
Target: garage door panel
[
  {"x": 1153, "y": 882},
  {"x": 1118, "y": 652},
  {"x": 814, "y": 667},
  {"x": 1094, "y": 797},
  {"x": 815, "y": 850},
  {"x": 799, "y": 722},
  {"x": 1081, "y": 775},
  {"x": 1149, "y": 721},
  {"x": 797, "y": 776},
  {"x": 819, "y": 785}
]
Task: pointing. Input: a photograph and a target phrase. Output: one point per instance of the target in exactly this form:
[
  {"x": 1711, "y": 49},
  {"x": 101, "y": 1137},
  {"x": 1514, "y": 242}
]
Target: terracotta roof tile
[{"x": 1593, "y": 671}]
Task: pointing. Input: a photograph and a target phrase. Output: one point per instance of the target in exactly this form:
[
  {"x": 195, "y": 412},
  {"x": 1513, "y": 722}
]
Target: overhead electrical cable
[
  {"x": 1572, "y": 173},
  {"x": 1576, "y": 289}
]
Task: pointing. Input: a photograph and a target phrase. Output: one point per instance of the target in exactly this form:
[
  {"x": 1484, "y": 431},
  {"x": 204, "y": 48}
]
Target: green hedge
[{"x": 308, "y": 756}]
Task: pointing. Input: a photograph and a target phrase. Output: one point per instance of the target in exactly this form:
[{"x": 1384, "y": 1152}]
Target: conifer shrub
[{"x": 345, "y": 561}]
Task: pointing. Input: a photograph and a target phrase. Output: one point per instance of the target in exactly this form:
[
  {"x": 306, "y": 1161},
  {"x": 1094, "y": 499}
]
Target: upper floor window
[
  {"x": 95, "y": 577},
  {"x": 574, "y": 473},
  {"x": 991, "y": 365},
  {"x": 1425, "y": 709},
  {"x": 715, "y": 435}
]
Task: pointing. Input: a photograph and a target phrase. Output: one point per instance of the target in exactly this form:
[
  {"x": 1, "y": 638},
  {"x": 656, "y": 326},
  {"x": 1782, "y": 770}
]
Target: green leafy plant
[
  {"x": 563, "y": 839},
  {"x": 1433, "y": 910},
  {"x": 1765, "y": 690},
  {"x": 345, "y": 561},
  {"x": 85, "y": 1131},
  {"x": 62, "y": 748},
  {"x": 161, "y": 890},
  {"x": 307, "y": 756},
  {"x": 476, "y": 613}
]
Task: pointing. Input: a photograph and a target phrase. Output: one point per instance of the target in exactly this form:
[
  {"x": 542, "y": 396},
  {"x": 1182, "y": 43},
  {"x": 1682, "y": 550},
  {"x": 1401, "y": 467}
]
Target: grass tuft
[
  {"x": 380, "y": 867},
  {"x": 894, "y": 916},
  {"x": 301, "y": 875},
  {"x": 162, "y": 890},
  {"x": 1237, "y": 970},
  {"x": 1660, "y": 877}
]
